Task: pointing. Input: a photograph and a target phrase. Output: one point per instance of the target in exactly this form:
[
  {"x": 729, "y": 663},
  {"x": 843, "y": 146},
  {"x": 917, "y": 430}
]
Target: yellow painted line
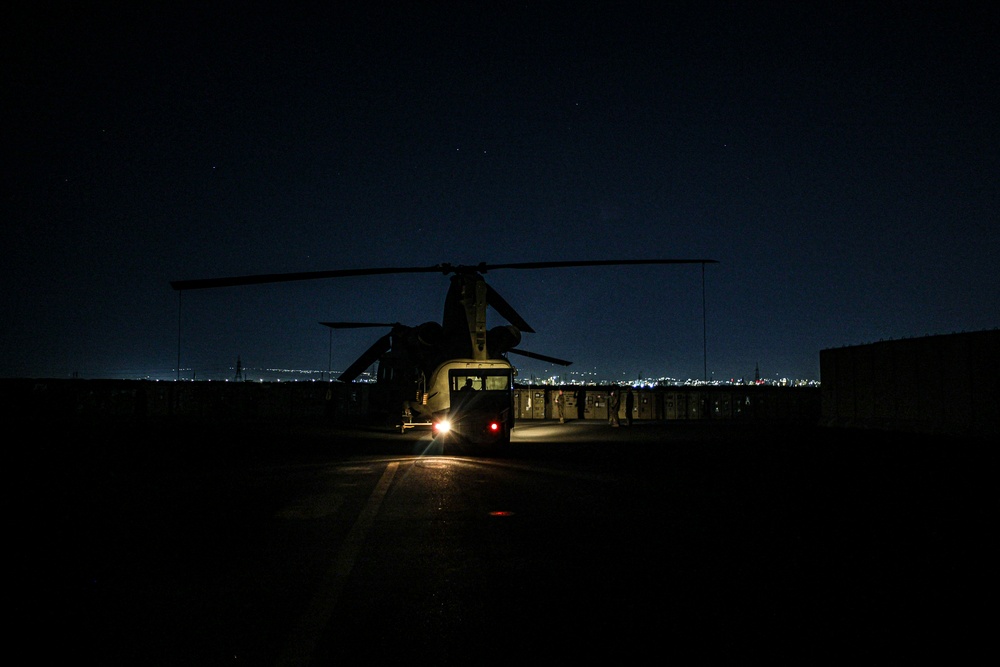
[{"x": 304, "y": 636}]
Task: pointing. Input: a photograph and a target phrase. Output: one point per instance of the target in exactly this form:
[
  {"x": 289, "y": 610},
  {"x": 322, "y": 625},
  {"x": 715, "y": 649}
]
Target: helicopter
[{"x": 455, "y": 375}]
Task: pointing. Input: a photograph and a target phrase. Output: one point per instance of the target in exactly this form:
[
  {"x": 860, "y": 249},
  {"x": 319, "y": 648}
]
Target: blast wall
[
  {"x": 84, "y": 402},
  {"x": 936, "y": 384}
]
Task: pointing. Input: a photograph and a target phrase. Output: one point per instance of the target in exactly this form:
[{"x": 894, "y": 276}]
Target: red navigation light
[{"x": 494, "y": 426}]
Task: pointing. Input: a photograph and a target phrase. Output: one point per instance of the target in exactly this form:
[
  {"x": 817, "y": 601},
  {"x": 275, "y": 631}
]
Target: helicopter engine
[
  {"x": 424, "y": 337},
  {"x": 422, "y": 342},
  {"x": 501, "y": 339}
]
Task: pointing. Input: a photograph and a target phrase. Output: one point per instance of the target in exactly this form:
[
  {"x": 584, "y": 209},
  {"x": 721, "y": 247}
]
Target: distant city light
[{"x": 569, "y": 378}]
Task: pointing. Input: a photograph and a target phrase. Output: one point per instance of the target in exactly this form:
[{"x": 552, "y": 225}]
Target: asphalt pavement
[{"x": 704, "y": 543}]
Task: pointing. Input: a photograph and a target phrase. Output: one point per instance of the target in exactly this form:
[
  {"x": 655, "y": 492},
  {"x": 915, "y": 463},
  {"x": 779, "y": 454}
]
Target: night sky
[{"x": 840, "y": 161}]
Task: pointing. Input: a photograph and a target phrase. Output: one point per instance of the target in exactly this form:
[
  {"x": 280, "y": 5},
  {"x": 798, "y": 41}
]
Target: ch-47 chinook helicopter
[{"x": 453, "y": 375}]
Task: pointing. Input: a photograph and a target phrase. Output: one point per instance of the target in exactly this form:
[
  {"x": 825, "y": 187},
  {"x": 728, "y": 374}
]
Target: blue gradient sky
[{"x": 839, "y": 161}]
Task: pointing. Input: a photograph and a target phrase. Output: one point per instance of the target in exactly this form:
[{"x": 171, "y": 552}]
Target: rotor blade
[
  {"x": 506, "y": 311},
  {"x": 371, "y": 355},
  {"x": 535, "y": 355},
  {"x": 597, "y": 262},
  {"x": 500, "y": 305},
  {"x": 308, "y": 275},
  {"x": 445, "y": 268},
  {"x": 358, "y": 325}
]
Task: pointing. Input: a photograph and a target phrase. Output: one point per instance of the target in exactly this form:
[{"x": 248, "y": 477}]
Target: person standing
[
  {"x": 614, "y": 404},
  {"x": 560, "y": 406},
  {"x": 629, "y": 405}
]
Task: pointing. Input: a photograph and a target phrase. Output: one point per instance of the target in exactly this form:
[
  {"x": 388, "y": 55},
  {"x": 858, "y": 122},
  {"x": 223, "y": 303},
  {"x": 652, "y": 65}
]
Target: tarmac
[{"x": 887, "y": 532}]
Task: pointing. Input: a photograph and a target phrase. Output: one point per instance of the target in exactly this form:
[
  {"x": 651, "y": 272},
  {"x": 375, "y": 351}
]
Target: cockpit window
[{"x": 479, "y": 382}]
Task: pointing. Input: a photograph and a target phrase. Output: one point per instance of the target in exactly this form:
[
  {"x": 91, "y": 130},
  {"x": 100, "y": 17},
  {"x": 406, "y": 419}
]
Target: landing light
[{"x": 442, "y": 426}]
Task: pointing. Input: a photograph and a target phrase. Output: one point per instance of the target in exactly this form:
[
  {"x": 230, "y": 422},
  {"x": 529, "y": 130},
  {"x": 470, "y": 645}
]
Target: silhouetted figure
[
  {"x": 629, "y": 405},
  {"x": 614, "y": 405},
  {"x": 581, "y": 402},
  {"x": 468, "y": 385},
  {"x": 560, "y": 406},
  {"x": 239, "y": 368}
]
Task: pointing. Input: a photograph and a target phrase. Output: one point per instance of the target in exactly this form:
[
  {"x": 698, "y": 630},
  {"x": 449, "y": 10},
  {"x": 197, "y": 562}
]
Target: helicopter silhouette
[{"x": 420, "y": 367}]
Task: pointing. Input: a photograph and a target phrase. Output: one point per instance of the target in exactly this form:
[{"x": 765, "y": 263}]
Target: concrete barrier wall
[
  {"x": 747, "y": 403},
  {"x": 936, "y": 384},
  {"x": 90, "y": 400}
]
